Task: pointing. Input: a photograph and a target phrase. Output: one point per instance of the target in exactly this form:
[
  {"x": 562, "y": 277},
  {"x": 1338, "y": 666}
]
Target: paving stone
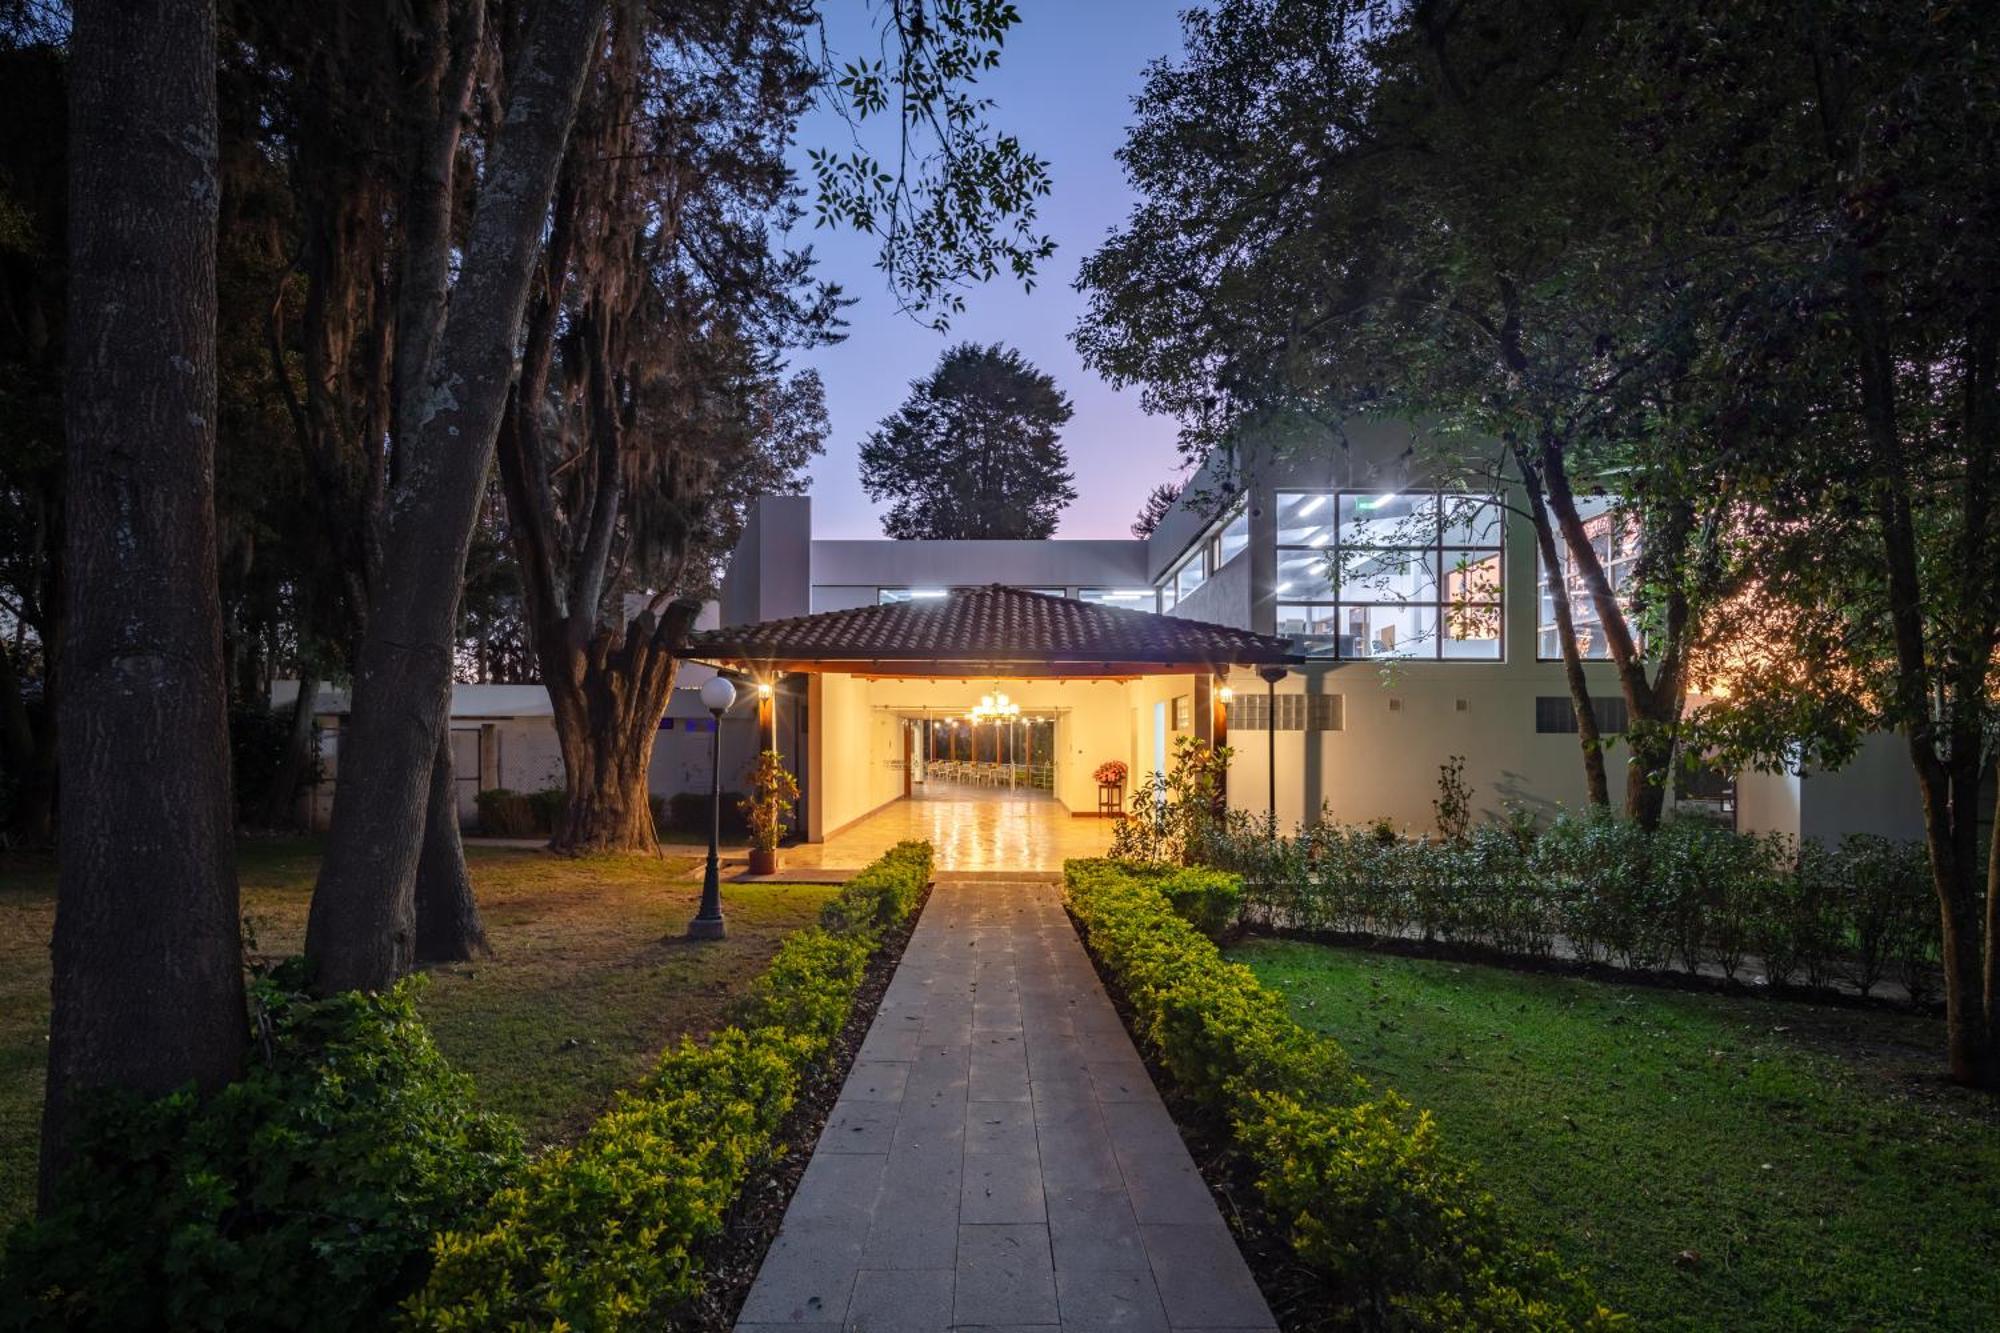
[
  {"x": 1001, "y": 1187},
  {"x": 807, "y": 1276},
  {"x": 903, "y": 1301},
  {"x": 1000, "y": 1127},
  {"x": 1125, "y": 1300},
  {"x": 1092, "y": 1229},
  {"x": 1005, "y": 1276},
  {"x": 1202, "y": 1277},
  {"x": 876, "y": 1081},
  {"x": 859, "y": 1127},
  {"x": 838, "y": 1188}
]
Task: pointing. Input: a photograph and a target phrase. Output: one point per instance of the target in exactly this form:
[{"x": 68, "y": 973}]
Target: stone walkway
[{"x": 998, "y": 1157}]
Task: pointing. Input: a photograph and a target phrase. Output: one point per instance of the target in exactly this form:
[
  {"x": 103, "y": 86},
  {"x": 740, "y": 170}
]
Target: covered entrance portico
[{"x": 904, "y": 734}]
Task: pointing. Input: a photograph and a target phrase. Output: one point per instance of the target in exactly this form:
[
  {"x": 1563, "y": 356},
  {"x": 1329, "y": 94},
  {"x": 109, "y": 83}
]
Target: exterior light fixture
[
  {"x": 1225, "y": 694},
  {"x": 763, "y": 689},
  {"x": 717, "y": 694}
]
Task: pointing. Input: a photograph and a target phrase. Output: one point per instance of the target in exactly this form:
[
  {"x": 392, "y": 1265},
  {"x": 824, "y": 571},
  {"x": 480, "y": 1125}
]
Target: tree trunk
[
  {"x": 608, "y": 702},
  {"x": 448, "y": 925},
  {"x": 1597, "y": 786},
  {"x": 148, "y": 981},
  {"x": 361, "y": 930},
  {"x": 281, "y": 801}
]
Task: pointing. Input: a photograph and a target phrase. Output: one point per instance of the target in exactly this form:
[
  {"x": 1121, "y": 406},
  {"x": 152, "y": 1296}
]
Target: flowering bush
[{"x": 1110, "y": 773}]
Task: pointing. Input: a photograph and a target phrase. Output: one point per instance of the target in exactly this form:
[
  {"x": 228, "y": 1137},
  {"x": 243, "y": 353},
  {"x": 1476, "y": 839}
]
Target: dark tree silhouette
[
  {"x": 1159, "y": 503},
  {"x": 975, "y": 451}
]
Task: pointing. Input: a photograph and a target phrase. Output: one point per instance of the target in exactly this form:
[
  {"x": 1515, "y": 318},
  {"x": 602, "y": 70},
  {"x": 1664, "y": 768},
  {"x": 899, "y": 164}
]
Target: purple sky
[{"x": 1064, "y": 85}]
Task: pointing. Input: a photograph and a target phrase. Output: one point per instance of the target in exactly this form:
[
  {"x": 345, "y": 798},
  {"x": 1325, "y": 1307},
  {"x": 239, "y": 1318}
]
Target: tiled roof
[{"x": 988, "y": 628}]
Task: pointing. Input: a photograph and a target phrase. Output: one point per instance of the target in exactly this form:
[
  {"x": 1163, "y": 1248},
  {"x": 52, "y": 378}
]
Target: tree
[
  {"x": 360, "y": 929},
  {"x": 1160, "y": 502},
  {"x": 1438, "y": 211},
  {"x": 1858, "y": 148},
  {"x": 974, "y": 452},
  {"x": 649, "y": 408},
  {"x": 148, "y": 986}
]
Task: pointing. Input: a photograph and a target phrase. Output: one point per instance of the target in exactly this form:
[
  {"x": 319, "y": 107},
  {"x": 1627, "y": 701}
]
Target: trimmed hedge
[
  {"x": 1688, "y": 896},
  {"x": 605, "y": 1235},
  {"x": 1369, "y": 1199},
  {"x": 302, "y": 1196}
]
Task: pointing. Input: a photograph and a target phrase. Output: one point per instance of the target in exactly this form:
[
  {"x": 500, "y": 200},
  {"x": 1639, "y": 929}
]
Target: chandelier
[{"x": 994, "y": 707}]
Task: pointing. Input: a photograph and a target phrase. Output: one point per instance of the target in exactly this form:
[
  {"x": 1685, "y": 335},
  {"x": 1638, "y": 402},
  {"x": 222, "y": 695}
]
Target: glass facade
[
  {"x": 1615, "y": 538},
  {"x": 1405, "y": 574}
]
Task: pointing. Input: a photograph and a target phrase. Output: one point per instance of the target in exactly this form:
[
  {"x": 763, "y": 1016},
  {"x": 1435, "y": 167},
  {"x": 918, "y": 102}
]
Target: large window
[
  {"x": 1217, "y": 547},
  {"x": 885, "y": 596},
  {"x": 1390, "y": 574},
  {"x": 1615, "y": 538}
]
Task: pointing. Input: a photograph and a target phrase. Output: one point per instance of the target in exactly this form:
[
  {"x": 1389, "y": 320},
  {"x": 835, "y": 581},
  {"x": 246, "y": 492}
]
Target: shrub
[
  {"x": 687, "y": 812},
  {"x": 258, "y": 740},
  {"x": 1209, "y": 900},
  {"x": 302, "y": 1196},
  {"x": 504, "y": 813},
  {"x": 1690, "y": 895},
  {"x": 883, "y": 893},
  {"x": 607, "y": 1234},
  {"x": 1367, "y": 1196}
]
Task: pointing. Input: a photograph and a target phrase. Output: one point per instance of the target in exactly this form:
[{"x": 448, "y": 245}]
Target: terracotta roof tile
[{"x": 992, "y": 626}]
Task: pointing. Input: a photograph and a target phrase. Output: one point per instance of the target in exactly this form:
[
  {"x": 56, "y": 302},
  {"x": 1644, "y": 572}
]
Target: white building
[
  {"x": 1434, "y": 640},
  {"x": 1431, "y": 639}
]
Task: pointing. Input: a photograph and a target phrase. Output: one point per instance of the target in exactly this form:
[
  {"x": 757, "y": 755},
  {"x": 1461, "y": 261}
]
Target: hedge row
[
  {"x": 605, "y": 1235},
  {"x": 505, "y": 813},
  {"x": 1691, "y": 895},
  {"x": 1371, "y": 1202}
]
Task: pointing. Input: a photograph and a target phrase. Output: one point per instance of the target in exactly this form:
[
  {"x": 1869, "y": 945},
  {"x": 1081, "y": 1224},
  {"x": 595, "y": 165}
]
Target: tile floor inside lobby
[{"x": 971, "y": 829}]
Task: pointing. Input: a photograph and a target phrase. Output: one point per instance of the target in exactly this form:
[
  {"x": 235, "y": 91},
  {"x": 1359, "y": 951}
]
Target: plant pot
[{"x": 763, "y": 860}]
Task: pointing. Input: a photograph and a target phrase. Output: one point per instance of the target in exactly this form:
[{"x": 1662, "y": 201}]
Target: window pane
[
  {"x": 1471, "y": 632},
  {"x": 1389, "y": 576},
  {"x": 1189, "y": 578},
  {"x": 1234, "y": 538},
  {"x": 1393, "y": 518},
  {"x": 1304, "y": 574},
  {"x": 1305, "y": 518},
  {"x": 1307, "y": 622},
  {"x": 1471, "y": 520},
  {"x": 1615, "y": 538},
  {"x": 1140, "y": 599},
  {"x": 1471, "y": 576},
  {"x": 888, "y": 595},
  {"x": 1388, "y": 631}
]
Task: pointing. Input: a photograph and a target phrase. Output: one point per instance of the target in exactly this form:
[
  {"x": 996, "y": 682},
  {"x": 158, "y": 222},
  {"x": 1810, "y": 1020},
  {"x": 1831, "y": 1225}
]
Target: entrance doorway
[{"x": 962, "y": 755}]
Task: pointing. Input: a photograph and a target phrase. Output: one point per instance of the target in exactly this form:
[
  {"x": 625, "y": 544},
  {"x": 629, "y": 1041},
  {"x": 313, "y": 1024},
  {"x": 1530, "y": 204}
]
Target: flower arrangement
[{"x": 1111, "y": 773}]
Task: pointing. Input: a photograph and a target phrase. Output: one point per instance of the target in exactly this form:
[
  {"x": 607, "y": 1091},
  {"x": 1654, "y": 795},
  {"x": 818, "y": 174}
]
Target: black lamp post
[
  {"x": 1272, "y": 675},
  {"x": 716, "y": 696}
]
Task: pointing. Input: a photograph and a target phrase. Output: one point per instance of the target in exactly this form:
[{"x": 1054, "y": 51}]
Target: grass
[
  {"x": 590, "y": 977},
  {"x": 1714, "y": 1162}
]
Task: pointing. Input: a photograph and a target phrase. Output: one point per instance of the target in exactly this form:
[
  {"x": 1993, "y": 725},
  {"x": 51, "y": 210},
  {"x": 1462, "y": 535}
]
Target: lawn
[
  {"x": 590, "y": 977},
  {"x": 1714, "y": 1162}
]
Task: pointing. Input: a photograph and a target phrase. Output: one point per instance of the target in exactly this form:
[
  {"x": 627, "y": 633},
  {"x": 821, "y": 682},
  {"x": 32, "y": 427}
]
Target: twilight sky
[{"x": 1065, "y": 83}]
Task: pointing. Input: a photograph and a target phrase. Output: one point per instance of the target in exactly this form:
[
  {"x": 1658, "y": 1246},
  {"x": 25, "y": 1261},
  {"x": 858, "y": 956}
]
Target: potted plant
[{"x": 773, "y": 791}]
